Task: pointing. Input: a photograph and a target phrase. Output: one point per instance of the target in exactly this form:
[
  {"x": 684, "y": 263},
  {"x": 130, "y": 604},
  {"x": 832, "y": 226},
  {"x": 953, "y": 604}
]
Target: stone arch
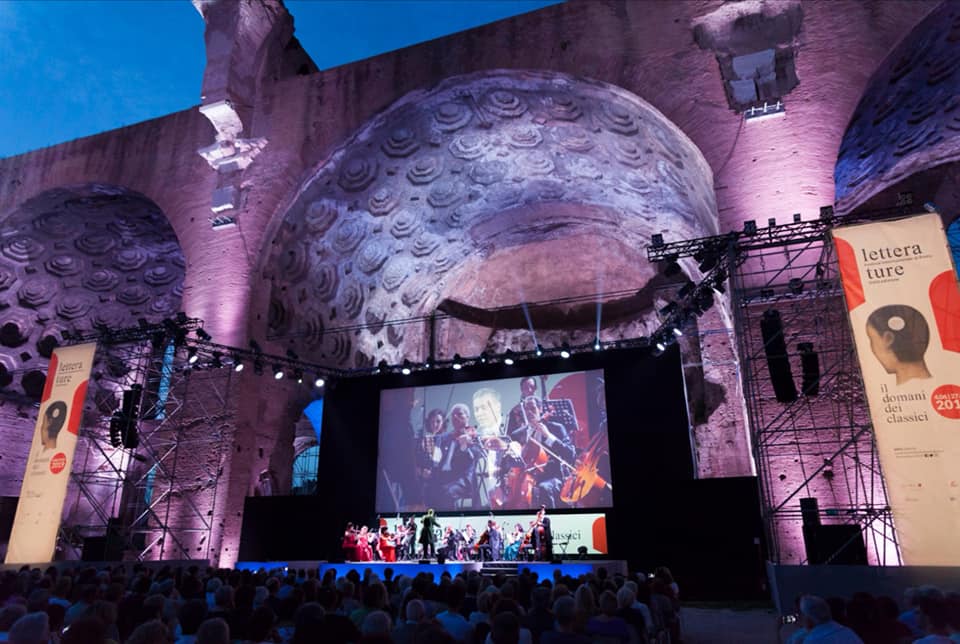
[
  {"x": 76, "y": 257},
  {"x": 908, "y": 119},
  {"x": 447, "y": 178}
]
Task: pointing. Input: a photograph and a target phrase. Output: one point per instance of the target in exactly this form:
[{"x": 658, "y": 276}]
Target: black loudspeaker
[
  {"x": 123, "y": 424},
  {"x": 839, "y": 544},
  {"x": 810, "y": 366},
  {"x": 810, "y": 511},
  {"x": 8, "y": 510},
  {"x": 771, "y": 328}
]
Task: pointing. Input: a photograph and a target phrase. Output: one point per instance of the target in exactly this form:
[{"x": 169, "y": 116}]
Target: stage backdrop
[
  {"x": 44, "y": 489},
  {"x": 904, "y": 307}
]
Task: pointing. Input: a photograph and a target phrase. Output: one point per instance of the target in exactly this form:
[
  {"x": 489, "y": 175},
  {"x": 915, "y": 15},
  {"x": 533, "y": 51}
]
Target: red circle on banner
[
  {"x": 945, "y": 400},
  {"x": 58, "y": 462}
]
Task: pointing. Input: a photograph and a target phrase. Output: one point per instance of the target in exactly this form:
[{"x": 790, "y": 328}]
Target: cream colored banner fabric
[
  {"x": 904, "y": 307},
  {"x": 44, "y": 486}
]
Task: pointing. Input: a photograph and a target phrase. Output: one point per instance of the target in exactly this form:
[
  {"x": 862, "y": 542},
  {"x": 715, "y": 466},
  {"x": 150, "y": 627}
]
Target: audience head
[
  {"x": 213, "y": 631},
  {"x": 152, "y": 632},
  {"x": 815, "y": 610},
  {"x": 32, "y": 628},
  {"x": 505, "y": 629}
]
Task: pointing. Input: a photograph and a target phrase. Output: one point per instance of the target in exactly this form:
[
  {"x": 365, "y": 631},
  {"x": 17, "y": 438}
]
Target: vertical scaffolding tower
[
  {"x": 819, "y": 445},
  {"x": 811, "y": 432},
  {"x": 148, "y": 491}
]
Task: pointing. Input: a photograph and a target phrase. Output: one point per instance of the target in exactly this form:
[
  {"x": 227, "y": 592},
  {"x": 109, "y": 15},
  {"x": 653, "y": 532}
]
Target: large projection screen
[{"x": 506, "y": 444}]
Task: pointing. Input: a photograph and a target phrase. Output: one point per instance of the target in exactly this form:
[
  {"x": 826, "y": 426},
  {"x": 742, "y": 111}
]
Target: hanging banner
[
  {"x": 904, "y": 307},
  {"x": 44, "y": 488}
]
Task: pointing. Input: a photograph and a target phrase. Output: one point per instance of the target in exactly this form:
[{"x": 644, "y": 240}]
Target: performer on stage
[
  {"x": 542, "y": 536},
  {"x": 491, "y": 542},
  {"x": 364, "y": 550},
  {"x": 349, "y": 543},
  {"x": 512, "y": 551},
  {"x": 410, "y": 539},
  {"x": 427, "y": 538},
  {"x": 387, "y": 545}
]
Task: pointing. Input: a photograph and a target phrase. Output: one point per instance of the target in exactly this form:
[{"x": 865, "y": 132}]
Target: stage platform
[{"x": 573, "y": 568}]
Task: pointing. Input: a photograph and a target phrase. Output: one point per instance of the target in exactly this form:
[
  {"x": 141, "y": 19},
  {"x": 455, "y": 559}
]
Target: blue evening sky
[{"x": 71, "y": 68}]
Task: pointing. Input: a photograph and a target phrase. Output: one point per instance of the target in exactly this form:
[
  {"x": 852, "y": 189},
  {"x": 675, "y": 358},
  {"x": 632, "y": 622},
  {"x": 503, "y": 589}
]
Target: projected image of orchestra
[{"x": 510, "y": 444}]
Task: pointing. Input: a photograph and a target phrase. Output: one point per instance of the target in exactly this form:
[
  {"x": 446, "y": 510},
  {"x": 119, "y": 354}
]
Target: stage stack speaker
[
  {"x": 810, "y": 367},
  {"x": 123, "y": 424},
  {"x": 835, "y": 544},
  {"x": 775, "y": 348}
]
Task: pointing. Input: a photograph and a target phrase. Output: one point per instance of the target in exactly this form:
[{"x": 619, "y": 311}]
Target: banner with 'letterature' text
[
  {"x": 35, "y": 526},
  {"x": 904, "y": 307}
]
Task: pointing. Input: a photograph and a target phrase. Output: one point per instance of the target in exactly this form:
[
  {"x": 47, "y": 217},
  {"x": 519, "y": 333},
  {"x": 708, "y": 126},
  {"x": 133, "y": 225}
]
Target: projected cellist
[{"x": 547, "y": 452}]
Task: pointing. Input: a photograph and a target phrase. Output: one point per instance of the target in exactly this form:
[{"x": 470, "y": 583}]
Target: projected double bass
[{"x": 546, "y": 450}]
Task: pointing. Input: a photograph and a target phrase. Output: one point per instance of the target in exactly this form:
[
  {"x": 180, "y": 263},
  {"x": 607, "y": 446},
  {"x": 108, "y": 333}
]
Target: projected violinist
[{"x": 546, "y": 450}]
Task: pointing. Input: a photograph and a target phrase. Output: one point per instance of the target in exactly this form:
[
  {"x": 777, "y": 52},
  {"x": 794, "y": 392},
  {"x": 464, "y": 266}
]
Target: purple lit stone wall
[
  {"x": 908, "y": 119},
  {"x": 658, "y": 66}
]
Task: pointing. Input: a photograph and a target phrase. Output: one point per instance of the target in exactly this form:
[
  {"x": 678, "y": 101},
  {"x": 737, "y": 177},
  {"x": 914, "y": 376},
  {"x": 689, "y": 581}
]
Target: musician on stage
[
  {"x": 547, "y": 449},
  {"x": 427, "y": 538},
  {"x": 512, "y": 551},
  {"x": 491, "y": 541},
  {"x": 349, "y": 543},
  {"x": 364, "y": 549},
  {"x": 387, "y": 545},
  {"x": 542, "y": 536},
  {"x": 410, "y": 539}
]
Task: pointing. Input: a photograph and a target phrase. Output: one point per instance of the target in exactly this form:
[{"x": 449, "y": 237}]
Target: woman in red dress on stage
[
  {"x": 364, "y": 550},
  {"x": 349, "y": 543},
  {"x": 387, "y": 545}
]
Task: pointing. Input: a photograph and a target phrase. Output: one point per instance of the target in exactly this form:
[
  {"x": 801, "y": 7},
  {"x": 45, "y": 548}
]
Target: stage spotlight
[
  {"x": 277, "y": 372},
  {"x": 538, "y": 351},
  {"x": 796, "y": 285},
  {"x": 656, "y": 240},
  {"x": 771, "y": 222},
  {"x": 192, "y": 356},
  {"x": 258, "y": 367},
  {"x": 382, "y": 367},
  {"x": 238, "y": 366},
  {"x": 661, "y": 347},
  {"x": 298, "y": 374},
  {"x": 216, "y": 362},
  {"x": 668, "y": 309},
  {"x": 564, "y": 350},
  {"x": 750, "y": 227},
  {"x": 670, "y": 266},
  {"x": 677, "y": 332},
  {"x": 457, "y": 361},
  {"x": 826, "y": 213},
  {"x": 508, "y": 357},
  {"x": 797, "y": 218},
  {"x": 203, "y": 335},
  {"x": 319, "y": 382},
  {"x": 255, "y": 346},
  {"x": 405, "y": 370},
  {"x": 596, "y": 345},
  {"x": 484, "y": 358}
]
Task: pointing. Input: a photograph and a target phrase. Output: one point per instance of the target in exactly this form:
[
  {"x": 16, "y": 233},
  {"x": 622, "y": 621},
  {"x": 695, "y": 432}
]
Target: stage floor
[{"x": 573, "y": 568}]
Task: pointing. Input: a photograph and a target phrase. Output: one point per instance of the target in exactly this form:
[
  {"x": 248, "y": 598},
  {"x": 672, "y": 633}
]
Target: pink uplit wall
[{"x": 270, "y": 124}]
